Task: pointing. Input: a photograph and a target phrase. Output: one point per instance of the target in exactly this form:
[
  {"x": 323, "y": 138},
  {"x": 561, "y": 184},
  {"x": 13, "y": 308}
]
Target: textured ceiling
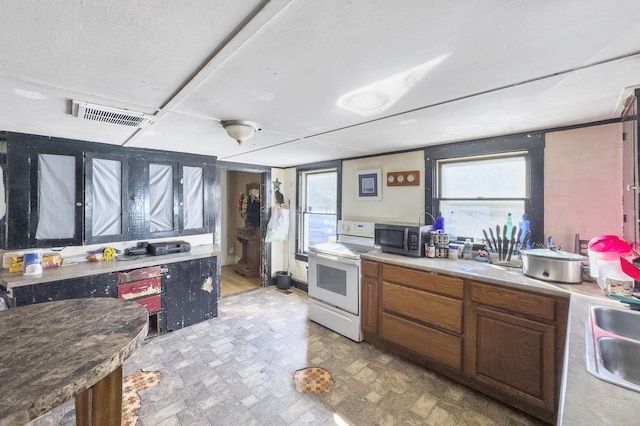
[{"x": 324, "y": 79}]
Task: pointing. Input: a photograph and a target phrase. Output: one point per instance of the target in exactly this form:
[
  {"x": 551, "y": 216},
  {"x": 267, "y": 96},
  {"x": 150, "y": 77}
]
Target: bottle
[
  {"x": 509, "y": 225},
  {"x": 467, "y": 251},
  {"x": 440, "y": 222},
  {"x": 525, "y": 226},
  {"x": 431, "y": 250},
  {"x": 452, "y": 228}
]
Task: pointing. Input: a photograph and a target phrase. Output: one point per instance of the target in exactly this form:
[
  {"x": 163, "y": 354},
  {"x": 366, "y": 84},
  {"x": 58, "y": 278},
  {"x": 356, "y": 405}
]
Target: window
[
  {"x": 475, "y": 185},
  {"x": 470, "y": 204},
  {"x": 318, "y": 212}
]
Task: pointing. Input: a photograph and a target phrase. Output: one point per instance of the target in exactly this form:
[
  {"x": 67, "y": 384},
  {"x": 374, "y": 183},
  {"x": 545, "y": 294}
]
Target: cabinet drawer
[
  {"x": 440, "y": 284},
  {"x": 528, "y": 304},
  {"x": 138, "y": 274},
  {"x": 433, "y": 344},
  {"x": 151, "y": 304},
  {"x": 369, "y": 269},
  {"x": 139, "y": 288},
  {"x": 441, "y": 311}
]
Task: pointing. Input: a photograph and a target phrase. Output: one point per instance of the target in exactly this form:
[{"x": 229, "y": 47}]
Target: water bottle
[
  {"x": 440, "y": 222},
  {"x": 524, "y": 226},
  {"x": 452, "y": 229},
  {"x": 467, "y": 251},
  {"x": 509, "y": 225}
]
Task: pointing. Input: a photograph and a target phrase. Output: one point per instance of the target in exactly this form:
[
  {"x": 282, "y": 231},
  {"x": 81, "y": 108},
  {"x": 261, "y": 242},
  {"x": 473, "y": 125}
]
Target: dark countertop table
[{"x": 51, "y": 352}]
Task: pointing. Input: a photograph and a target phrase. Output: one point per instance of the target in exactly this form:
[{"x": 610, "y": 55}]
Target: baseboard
[{"x": 294, "y": 283}]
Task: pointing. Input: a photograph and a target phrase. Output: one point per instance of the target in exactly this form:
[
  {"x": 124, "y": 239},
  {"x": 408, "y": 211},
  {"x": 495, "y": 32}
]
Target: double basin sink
[{"x": 613, "y": 345}]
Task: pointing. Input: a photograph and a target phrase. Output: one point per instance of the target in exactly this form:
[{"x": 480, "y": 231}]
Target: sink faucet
[{"x": 550, "y": 244}]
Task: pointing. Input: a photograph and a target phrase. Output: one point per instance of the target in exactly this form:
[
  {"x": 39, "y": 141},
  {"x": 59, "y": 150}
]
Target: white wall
[
  {"x": 398, "y": 203},
  {"x": 583, "y": 183},
  {"x": 583, "y": 188},
  {"x": 279, "y": 248}
]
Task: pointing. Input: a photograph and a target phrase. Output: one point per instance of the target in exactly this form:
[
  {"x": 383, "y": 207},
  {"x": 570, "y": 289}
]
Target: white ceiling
[{"x": 448, "y": 71}]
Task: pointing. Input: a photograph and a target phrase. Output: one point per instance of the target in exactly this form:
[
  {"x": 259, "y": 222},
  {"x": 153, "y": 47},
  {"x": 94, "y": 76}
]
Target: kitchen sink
[
  {"x": 618, "y": 322},
  {"x": 620, "y": 358},
  {"x": 613, "y": 345}
]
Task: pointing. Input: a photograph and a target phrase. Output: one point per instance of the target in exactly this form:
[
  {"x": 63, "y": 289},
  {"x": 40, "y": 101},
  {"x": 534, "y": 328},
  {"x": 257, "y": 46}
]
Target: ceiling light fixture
[{"x": 240, "y": 130}]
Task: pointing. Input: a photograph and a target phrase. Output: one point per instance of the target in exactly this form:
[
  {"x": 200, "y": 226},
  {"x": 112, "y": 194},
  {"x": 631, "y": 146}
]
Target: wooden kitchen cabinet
[
  {"x": 507, "y": 343},
  {"x": 422, "y": 312},
  {"x": 144, "y": 286},
  {"x": 514, "y": 344},
  {"x": 190, "y": 291},
  {"x": 56, "y": 194},
  {"x": 176, "y": 294},
  {"x": 101, "y": 285},
  {"x": 369, "y": 299}
]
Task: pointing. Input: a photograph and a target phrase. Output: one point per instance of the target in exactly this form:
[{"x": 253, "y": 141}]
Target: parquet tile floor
[{"x": 238, "y": 369}]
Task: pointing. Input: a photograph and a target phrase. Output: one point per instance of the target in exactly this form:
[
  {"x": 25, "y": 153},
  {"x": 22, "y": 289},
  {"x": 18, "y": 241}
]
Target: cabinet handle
[
  {"x": 633, "y": 188},
  {"x": 78, "y": 204}
]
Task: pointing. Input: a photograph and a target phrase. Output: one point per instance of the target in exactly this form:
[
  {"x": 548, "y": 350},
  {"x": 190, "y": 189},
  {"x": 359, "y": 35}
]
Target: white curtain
[
  {"x": 107, "y": 198},
  {"x": 56, "y": 197},
  {"x": 193, "y": 197},
  {"x": 161, "y": 197}
]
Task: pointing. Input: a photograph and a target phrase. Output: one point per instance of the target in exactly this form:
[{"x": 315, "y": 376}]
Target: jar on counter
[
  {"x": 467, "y": 251},
  {"x": 431, "y": 250}
]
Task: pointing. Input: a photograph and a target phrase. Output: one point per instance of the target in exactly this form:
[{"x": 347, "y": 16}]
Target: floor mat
[
  {"x": 131, "y": 385},
  {"x": 313, "y": 380}
]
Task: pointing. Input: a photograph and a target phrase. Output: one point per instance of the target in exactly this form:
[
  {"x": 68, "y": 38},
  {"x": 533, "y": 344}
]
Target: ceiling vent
[{"x": 122, "y": 117}]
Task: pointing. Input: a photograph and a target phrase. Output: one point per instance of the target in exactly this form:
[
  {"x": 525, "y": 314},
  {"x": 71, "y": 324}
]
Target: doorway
[{"x": 244, "y": 264}]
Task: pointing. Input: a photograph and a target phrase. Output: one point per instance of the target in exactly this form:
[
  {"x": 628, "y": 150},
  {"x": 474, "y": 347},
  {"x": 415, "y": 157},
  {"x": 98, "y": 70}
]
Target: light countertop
[
  {"x": 10, "y": 280},
  {"x": 584, "y": 399}
]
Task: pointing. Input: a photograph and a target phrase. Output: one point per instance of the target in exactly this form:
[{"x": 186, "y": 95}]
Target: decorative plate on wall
[{"x": 408, "y": 178}]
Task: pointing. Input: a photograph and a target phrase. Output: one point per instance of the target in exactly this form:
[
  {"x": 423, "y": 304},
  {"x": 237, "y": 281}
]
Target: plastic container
[
  {"x": 451, "y": 228},
  {"x": 283, "y": 280},
  {"x": 467, "y": 251},
  {"x": 32, "y": 262},
  {"x": 524, "y": 226},
  {"x": 604, "y": 258}
]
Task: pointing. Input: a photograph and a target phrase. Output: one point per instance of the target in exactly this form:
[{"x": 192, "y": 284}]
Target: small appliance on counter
[
  {"x": 158, "y": 249},
  {"x": 169, "y": 247},
  {"x": 552, "y": 265},
  {"x": 406, "y": 239}
]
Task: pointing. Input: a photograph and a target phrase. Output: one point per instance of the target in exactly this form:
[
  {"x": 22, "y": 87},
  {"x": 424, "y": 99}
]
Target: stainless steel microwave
[{"x": 406, "y": 239}]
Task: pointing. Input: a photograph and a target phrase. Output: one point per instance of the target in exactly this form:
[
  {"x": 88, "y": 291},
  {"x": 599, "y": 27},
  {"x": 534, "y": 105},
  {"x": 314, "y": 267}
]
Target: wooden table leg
[{"x": 101, "y": 405}]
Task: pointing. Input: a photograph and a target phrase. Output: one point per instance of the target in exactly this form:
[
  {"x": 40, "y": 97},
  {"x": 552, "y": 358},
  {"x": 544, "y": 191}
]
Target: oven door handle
[{"x": 334, "y": 258}]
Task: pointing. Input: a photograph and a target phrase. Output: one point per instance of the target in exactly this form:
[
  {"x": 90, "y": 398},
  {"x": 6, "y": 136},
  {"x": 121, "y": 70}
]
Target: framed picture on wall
[{"x": 369, "y": 185}]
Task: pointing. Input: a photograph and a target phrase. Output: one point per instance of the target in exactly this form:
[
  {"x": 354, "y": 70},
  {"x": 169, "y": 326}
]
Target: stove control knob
[{"x": 344, "y": 228}]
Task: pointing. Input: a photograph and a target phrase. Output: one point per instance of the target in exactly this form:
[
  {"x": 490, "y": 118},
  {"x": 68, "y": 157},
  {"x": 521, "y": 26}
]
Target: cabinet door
[
  {"x": 103, "y": 285},
  {"x": 163, "y": 199},
  {"x": 514, "y": 356},
  {"x": 370, "y": 305},
  {"x": 106, "y": 183},
  {"x": 195, "y": 218},
  {"x": 191, "y": 292},
  {"x": 56, "y": 185}
]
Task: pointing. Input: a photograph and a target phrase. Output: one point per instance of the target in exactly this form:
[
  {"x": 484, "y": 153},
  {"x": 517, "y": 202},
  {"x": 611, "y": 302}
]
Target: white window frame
[
  {"x": 302, "y": 240},
  {"x": 473, "y": 214}
]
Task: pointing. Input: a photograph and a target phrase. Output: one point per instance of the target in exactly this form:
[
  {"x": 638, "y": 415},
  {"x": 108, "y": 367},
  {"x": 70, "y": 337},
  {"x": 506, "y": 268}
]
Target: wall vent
[{"x": 122, "y": 117}]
